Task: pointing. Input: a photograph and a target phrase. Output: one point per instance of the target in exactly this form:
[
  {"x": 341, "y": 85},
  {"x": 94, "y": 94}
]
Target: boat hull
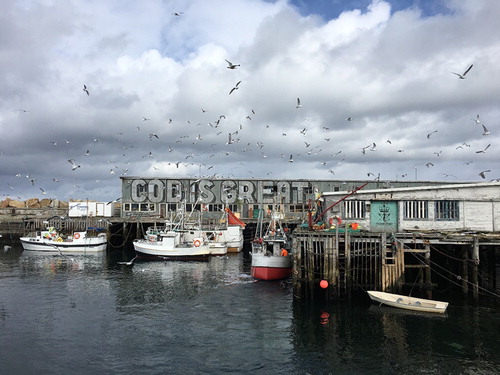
[
  {"x": 271, "y": 267},
  {"x": 157, "y": 251},
  {"x": 408, "y": 303},
  {"x": 89, "y": 245}
]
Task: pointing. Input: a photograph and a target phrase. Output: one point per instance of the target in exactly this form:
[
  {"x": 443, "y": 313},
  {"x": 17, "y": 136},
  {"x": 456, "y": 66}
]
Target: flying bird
[
  {"x": 483, "y": 172},
  {"x": 234, "y": 88},
  {"x": 476, "y": 120},
  {"x": 298, "y": 103},
  {"x": 291, "y": 158},
  {"x": 431, "y": 133},
  {"x": 483, "y": 150},
  {"x": 462, "y": 76},
  {"x": 231, "y": 65},
  {"x": 485, "y": 131},
  {"x": 85, "y": 89},
  {"x": 177, "y": 14},
  {"x": 73, "y": 164}
]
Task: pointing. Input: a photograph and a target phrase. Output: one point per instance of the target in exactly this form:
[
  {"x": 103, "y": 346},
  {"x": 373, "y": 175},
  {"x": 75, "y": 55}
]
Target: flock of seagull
[{"x": 234, "y": 137}]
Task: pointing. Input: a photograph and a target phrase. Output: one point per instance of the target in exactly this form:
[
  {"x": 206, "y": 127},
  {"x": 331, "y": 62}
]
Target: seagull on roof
[
  {"x": 231, "y": 65},
  {"x": 483, "y": 172},
  {"x": 234, "y": 88},
  {"x": 85, "y": 89},
  {"x": 462, "y": 76}
]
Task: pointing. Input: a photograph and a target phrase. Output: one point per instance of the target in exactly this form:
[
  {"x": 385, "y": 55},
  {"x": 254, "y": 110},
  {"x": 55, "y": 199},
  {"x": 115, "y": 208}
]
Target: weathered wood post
[
  {"x": 475, "y": 266},
  {"x": 465, "y": 270},
  {"x": 428, "y": 281}
]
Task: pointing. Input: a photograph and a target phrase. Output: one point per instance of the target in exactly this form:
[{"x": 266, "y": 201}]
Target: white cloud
[{"x": 390, "y": 71}]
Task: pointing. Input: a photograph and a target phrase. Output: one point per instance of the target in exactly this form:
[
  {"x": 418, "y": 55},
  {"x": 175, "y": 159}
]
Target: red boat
[{"x": 271, "y": 253}]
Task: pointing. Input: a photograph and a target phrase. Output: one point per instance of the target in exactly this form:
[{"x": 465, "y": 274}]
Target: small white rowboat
[{"x": 408, "y": 303}]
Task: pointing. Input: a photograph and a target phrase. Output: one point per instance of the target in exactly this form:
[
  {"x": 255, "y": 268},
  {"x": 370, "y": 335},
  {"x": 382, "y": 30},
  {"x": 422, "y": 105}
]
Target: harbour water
[{"x": 89, "y": 315}]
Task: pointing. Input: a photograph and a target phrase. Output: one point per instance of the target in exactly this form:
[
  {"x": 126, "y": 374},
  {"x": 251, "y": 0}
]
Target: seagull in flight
[
  {"x": 234, "y": 88},
  {"x": 485, "y": 130},
  {"x": 177, "y": 14},
  {"x": 85, "y": 89},
  {"x": 291, "y": 158},
  {"x": 231, "y": 65},
  {"x": 462, "y": 76},
  {"x": 476, "y": 120},
  {"x": 483, "y": 172},
  {"x": 484, "y": 150},
  {"x": 429, "y": 135},
  {"x": 73, "y": 164},
  {"x": 298, "y": 103}
]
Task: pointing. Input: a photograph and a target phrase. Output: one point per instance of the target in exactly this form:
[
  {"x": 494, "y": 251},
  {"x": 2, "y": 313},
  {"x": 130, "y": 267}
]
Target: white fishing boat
[
  {"x": 176, "y": 240},
  {"x": 232, "y": 234},
  {"x": 408, "y": 303},
  {"x": 51, "y": 241},
  {"x": 214, "y": 239},
  {"x": 171, "y": 245},
  {"x": 271, "y": 252}
]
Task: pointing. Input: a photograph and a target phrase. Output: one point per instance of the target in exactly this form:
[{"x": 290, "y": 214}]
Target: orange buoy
[{"x": 323, "y": 284}]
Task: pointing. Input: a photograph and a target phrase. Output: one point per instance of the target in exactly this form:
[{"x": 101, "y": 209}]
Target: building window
[
  {"x": 143, "y": 207},
  {"x": 447, "y": 210},
  {"x": 354, "y": 209},
  {"x": 416, "y": 210}
]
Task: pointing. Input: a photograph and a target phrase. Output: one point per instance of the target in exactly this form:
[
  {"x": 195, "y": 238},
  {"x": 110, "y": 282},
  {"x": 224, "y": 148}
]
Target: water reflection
[{"x": 369, "y": 339}]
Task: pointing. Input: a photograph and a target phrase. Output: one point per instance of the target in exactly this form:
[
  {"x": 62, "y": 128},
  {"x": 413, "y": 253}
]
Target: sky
[{"x": 92, "y": 90}]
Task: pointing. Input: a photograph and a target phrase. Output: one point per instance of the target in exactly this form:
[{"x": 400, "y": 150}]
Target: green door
[{"x": 384, "y": 216}]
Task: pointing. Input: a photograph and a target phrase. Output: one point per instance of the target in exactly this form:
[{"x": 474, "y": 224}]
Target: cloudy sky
[{"x": 376, "y": 83}]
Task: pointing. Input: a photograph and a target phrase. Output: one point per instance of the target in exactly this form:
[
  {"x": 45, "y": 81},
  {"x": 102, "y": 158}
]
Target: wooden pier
[{"x": 355, "y": 261}]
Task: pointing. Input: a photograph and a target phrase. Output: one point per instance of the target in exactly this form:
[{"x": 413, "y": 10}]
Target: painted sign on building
[{"x": 206, "y": 191}]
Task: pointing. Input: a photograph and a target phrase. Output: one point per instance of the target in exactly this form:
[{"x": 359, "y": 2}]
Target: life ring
[
  {"x": 339, "y": 220},
  {"x": 196, "y": 243},
  {"x": 76, "y": 236}
]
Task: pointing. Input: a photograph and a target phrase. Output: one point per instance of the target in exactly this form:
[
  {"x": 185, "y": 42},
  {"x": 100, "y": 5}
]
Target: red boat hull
[{"x": 271, "y": 273}]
